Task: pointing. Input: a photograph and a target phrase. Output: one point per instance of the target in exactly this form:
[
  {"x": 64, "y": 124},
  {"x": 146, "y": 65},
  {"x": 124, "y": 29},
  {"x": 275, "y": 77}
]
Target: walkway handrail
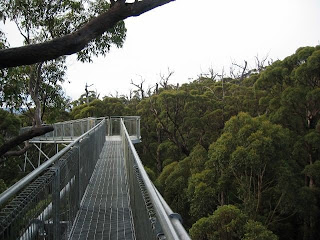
[
  {"x": 168, "y": 226},
  {"x": 10, "y": 192},
  {"x": 67, "y": 131},
  {"x": 180, "y": 230}
]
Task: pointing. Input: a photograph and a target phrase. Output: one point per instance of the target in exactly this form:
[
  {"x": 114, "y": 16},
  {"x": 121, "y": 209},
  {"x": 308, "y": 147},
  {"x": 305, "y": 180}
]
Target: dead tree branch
[
  {"x": 19, "y": 152},
  {"x": 140, "y": 87},
  {"x": 164, "y": 82},
  {"x": 33, "y": 132}
]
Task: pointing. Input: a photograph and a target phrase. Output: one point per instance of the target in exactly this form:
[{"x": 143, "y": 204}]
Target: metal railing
[
  {"x": 153, "y": 218},
  {"x": 44, "y": 204},
  {"x": 67, "y": 131},
  {"x": 132, "y": 124},
  {"x": 70, "y": 130}
]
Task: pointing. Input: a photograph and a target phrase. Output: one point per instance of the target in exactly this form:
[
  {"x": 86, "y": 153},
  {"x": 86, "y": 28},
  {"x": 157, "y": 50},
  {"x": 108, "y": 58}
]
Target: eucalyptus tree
[
  {"x": 250, "y": 166},
  {"x": 292, "y": 98}
]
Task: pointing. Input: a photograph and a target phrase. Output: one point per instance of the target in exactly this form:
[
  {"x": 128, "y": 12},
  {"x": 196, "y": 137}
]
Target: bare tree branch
[
  {"x": 33, "y": 132},
  {"x": 244, "y": 70},
  {"x": 77, "y": 40},
  {"x": 261, "y": 63},
  {"x": 164, "y": 82},
  {"x": 17, "y": 153},
  {"x": 213, "y": 74},
  {"x": 140, "y": 87}
]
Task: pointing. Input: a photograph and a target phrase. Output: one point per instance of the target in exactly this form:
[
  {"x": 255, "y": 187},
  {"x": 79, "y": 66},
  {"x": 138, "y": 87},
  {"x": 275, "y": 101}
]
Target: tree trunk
[
  {"x": 159, "y": 162},
  {"x": 34, "y": 85}
]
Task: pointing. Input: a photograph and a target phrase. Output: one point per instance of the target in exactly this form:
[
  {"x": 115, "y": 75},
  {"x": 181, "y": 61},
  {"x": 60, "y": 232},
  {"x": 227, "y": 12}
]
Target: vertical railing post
[
  {"x": 54, "y": 132},
  {"x": 63, "y": 132},
  {"x": 110, "y": 130},
  {"x": 39, "y": 156},
  {"x": 93, "y": 163},
  {"x": 56, "y": 203},
  {"x": 138, "y": 127},
  {"x": 78, "y": 176},
  {"x": 72, "y": 130}
]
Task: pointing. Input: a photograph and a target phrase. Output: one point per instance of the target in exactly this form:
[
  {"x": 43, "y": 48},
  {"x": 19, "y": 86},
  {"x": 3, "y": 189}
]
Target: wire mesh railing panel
[
  {"x": 58, "y": 131},
  {"x": 68, "y": 130},
  {"x": 143, "y": 213},
  {"x": 131, "y": 126},
  {"x": 25, "y": 215},
  {"x": 115, "y": 126},
  {"x": 68, "y": 197},
  {"x": 46, "y": 208},
  {"x": 78, "y": 128},
  {"x": 152, "y": 216}
]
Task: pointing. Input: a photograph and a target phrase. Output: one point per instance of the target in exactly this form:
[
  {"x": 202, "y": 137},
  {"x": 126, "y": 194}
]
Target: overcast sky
[{"x": 191, "y": 36}]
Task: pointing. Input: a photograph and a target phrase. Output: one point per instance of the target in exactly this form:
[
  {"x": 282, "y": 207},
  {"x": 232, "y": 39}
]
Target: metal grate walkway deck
[{"x": 105, "y": 212}]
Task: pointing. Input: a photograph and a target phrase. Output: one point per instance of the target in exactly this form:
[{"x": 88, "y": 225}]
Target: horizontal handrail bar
[{"x": 181, "y": 231}]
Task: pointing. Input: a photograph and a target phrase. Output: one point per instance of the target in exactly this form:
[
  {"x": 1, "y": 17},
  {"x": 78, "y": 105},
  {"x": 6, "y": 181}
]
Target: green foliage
[
  {"x": 169, "y": 152},
  {"x": 229, "y": 223},
  {"x": 175, "y": 188},
  {"x": 202, "y": 196},
  {"x": 98, "y": 108},
  {"x": 160, "y": 183},
  {"x": 9, "y": 125},
  {"x": 313, "y": 171},
  {"x": 151, "y": 174},
  {"x": 260, "y": 134},
  {"x": 16, "y": 92},
  {"x": 256, "y": 231},
  {"x": 3, "y": 186},
  {"x": 198, "y": 157},
  {"x": 253, "y": 152}
]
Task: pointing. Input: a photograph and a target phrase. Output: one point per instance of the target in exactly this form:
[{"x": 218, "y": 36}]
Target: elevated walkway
[
  {"x": 95, "y": 187},
  {"x": 105, "y": 212}
]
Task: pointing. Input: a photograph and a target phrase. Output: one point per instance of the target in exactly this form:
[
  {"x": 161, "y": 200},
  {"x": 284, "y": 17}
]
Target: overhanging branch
[
  {"x": 16, "y": 153},
  {"x": 33, "y": 132},
  {"x": 76, "y": 41}
]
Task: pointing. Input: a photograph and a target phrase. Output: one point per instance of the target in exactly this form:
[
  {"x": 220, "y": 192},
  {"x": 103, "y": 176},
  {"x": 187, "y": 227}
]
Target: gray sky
[{"x": 191, "y": 36}]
